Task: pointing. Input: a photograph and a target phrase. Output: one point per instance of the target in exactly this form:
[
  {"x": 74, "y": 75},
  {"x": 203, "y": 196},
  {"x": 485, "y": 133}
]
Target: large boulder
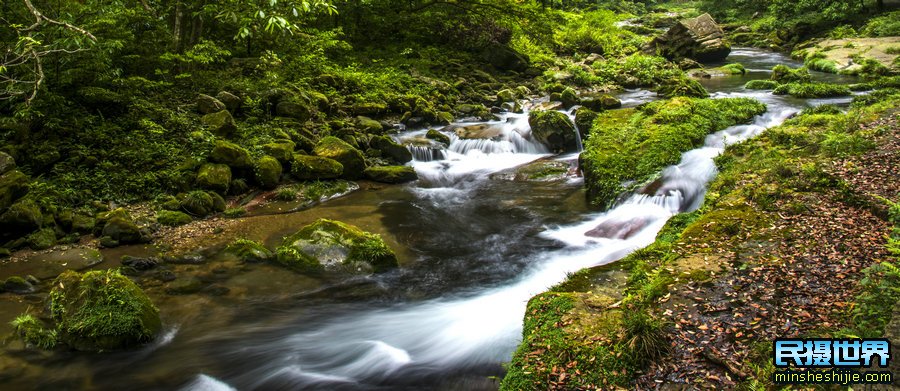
[
  {"x": 220, "y": 123},
  {"x": 231, "y": 101},
  {"x": 208, "y": 105},
  {"x": 21, "y": 218},
  {"x": 305, "y": 167},
  {"x": 102, "y": 310},
  {"x": 198, "y": 203},
  {"x": 231, "y": 154},
  {"x": 351, "y": 159},
  {"x": 122, "y": 231},
  {"x": 215, "y": 177},
  {"x": 391, "y": 174},
  {"x": 391, "y": 149},
  {"x": 335, "y": 246},
  {"x": 283, "y": 150},
  {"x": 554, "y": 129},
  {"x": 504, "y": 58},
  {"x": 698, "y": 38},
  {"x": 268, "y": 172},
  {"x": 13, "y": 185}
]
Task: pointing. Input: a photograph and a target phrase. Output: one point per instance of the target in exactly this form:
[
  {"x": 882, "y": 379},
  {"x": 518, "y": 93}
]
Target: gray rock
[{"x": 700, "y": 39}]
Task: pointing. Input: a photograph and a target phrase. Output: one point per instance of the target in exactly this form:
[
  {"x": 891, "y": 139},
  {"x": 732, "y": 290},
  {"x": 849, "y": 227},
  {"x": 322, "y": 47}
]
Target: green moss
[
  {"x": 812, "y": 90},
  {"x": 761, "y": 85},
  {"x": 22, "y": 217},
  {"x": 391, "y": 174},
  {"x": 33, "y": 332},
  {"x": 553, "y": 129},
  {"x": 305, "y": 167},
  {"x": 283, "y": 150},
  {"x": 682, "y": 86},
  {"x": 42, "y": 239},
  {"x": 268, "y": 172},
  {"x": 329, "y": 240},
  {"x": 352, "y": 160},
  {"x": 435, "y": 135},
  {"x": 235, "y": 212},
  {"x": 102, "y": 310},
  {"x": 13, "y": 185},
  {"x": 631, "y": 146},
  {"x": 215, "y": 177},
  {"x": 391, "y": 149},
  {"x": 198, "y": 203},
  {"x": 298, "y": 261},
  {"x": 733, "y": 69},
  {"x": 249, "y": 251},
  {"x": 785, "y": 74},
  {"x": 172, "y": 218}
]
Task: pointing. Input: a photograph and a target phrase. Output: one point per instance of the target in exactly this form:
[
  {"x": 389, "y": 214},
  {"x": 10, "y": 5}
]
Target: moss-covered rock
[
  {"x": 123, "y": 231},
  {"x": 220, "y": 123},
  {"x": 600, "y": 102},
  {"x": 682, "y": 86},
  {"x": 172, "y": 218},
  {"x": 761, "y": 85},
  {"x": 208, "y": 105},
  {"x": 554, "y": 129},
  {"x": 506, "y": 95},
  {"x": 785, "y": 74},
  {"x": 812, "y": 90},
  {"x": 268, "y": 172},
  {"x": 352, "y": 160},
  {"x": 21, "y": 218},
  {"x": 13, "y": 185},
  {"x": 569, "y": 98},
  {"x": 215, "y": 177},
  {"x": 42, "y": 239},
  {"x": 434, "y": 134},
  {"x": 630, "y": 145},
  {"x": 231, "y": 154},
  {"x": 584, "y": 118},
  {"x": 368, "y": 125},
  {"x": 82, "y": 223},
  {"x": 17, "y": 285},
  {"x": 249, "y": 251},
  {"x": 293, "y": 109},
  {"x": 102, "y": 310},
  {"x": 337, "y": 246},
  {"x": 283, "y": 150},
  {"x": 197, "y": 203},
  {"x": 305, "y": 167},
  {"x": 391, "y": 174},
  {"x": 294, "y": 259},
  {"x": 231, "y": 101},
  {"x": 391, "y": 149}
]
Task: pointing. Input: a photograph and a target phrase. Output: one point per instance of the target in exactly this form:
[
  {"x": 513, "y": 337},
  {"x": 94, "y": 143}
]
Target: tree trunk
[{"x": 176, "y": 28}]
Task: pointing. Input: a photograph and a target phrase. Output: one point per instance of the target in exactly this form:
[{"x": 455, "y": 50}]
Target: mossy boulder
[
  {"x": 434, "y": 134},
  {"x": 42, "y": 239},
  {"x": 785, "y": 74},
  {"x": 102, "y": 310},
  {"x": 231, "y": 154},
  {"x": 198, "y": 203},
  {"x": 391, "y": 149},
  {"x": 812, "y": 90},
  {"x": 13, "y": 185},
  {"x": 569, "y": 98},
  {"x": 17, "y": 285},
  {"x": 305, "y": 167},
  {"x": 554, "y": 129},
  {"x": 249, "y": 251},
  {"x": 21, "y": 218},
  {"x": 268, "y": 172},
  {"x": 172, "y": 218},
  {"x": 208, "y": 105},
  {"x": 123, "y": 231},
  {"x": 601, "y": 102},
  {"x": 584, "y": 118},
  {"x": 82, "y": 223},
  {"x": 504, "y": 58},
  {"x": 698, "y": 38},
  {"x": 391, "y": 174},
  {"x": 293, "y": 109},
  {"x": 682, "y": 86},
  {"x": 506, "y": 95},
  {"x": 337, "y": 247},
  {"x": 283, "y": 150},
  {"x": 215, "y": 177},
  {"x": 231, "y": 101},
  {"x": 368, "y": 125},
  {"x": 352, "y": 160},
  {"x": 220, "y": 123},
  {"x": 761, "y": 85}
]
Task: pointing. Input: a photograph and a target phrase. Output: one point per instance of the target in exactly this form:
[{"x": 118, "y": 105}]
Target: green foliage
[
  {"x": 638, "y": 70},
  {"x": 761, "y": 85},
  {"x": 595, "y": 32},
  {"x": 886, "y": 25},
  {"x": 812, "y": 90},
  {"x": 32, "y": 331},
  {"x": 880, "y": 290}
]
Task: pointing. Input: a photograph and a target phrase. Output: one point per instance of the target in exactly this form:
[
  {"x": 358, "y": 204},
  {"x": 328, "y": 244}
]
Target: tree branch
[{"x": 40, "y": 19}]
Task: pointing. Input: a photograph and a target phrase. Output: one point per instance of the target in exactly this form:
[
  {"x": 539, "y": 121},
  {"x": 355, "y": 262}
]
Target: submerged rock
[
  {"x": 102, "y": 310},
  {"x": 553, "y": 129},
  {"x": 391, "y": 174},
  {"x": 248, "y": 251},
  {"x": 698, "y": 38},
  {"x": 335, "y": 246}
]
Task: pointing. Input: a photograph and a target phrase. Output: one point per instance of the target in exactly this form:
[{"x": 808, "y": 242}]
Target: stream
[{"x": 474, "y": 247}]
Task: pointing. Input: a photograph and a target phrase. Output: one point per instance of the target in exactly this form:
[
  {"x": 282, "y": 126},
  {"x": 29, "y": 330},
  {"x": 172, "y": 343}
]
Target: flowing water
[{"x": 475, "y": 249}]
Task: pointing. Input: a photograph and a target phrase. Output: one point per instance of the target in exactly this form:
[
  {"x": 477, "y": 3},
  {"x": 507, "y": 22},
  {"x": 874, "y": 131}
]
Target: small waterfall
[{"x": 426, "y": 153}]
